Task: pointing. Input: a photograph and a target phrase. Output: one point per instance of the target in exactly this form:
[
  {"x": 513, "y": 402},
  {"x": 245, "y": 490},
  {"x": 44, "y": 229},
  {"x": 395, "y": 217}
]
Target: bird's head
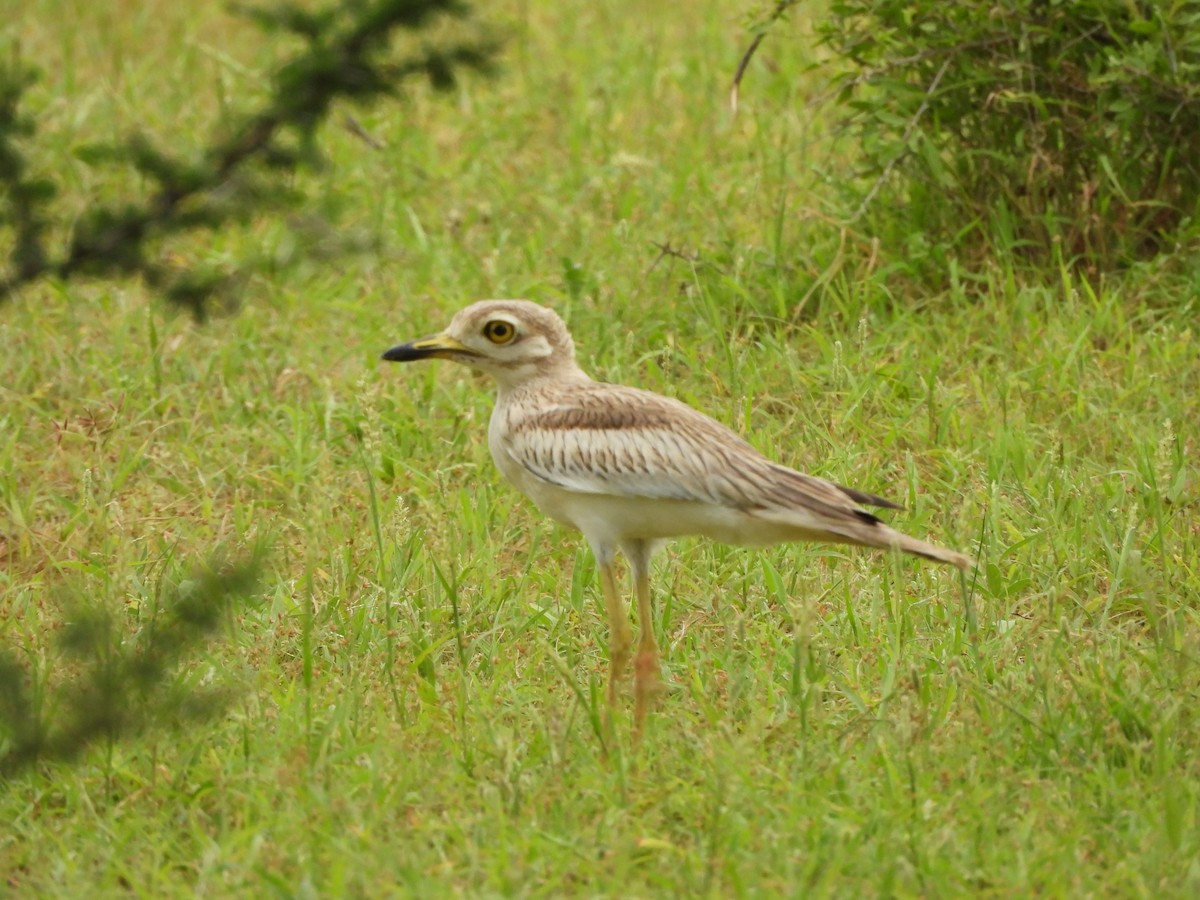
[{"x": 515, "y": 341}]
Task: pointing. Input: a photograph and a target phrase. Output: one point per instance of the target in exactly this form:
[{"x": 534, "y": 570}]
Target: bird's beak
[{"x": 439, "y": 345}]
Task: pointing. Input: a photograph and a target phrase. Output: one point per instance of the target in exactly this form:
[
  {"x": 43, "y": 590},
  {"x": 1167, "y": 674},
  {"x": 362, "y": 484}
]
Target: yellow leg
[
  {"x": 647, "y": 684},
  {"x": 620, "y": 638}
]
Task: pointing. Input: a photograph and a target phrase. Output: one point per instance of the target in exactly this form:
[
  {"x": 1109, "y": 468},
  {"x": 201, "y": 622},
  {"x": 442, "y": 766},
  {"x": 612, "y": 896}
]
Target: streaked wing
[{"x": 609, "y": 439}]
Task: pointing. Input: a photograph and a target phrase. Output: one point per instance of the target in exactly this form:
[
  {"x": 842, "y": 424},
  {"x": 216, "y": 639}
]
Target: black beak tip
[{"x": 401, "y": 353}]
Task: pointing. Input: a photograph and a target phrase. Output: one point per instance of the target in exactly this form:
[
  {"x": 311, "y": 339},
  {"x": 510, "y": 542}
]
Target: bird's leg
[
  {"x": 620, "y": 638},
  {"x": 646, "y": 683}
]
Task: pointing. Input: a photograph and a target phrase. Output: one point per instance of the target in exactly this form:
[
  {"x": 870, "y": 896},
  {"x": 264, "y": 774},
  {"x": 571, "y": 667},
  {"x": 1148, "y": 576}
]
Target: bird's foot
[{"x": 647, "y": 685}]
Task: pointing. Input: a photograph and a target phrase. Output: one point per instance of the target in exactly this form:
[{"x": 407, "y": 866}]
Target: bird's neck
[{"x": 519, "y": 381}]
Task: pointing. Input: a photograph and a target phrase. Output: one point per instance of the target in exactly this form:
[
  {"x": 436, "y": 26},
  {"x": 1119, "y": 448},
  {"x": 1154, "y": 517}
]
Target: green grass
[{"x": 419, "y": 687}]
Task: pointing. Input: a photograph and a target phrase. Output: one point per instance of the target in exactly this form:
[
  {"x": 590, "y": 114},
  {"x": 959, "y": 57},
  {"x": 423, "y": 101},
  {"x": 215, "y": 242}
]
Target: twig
[
  {"x": 741, "y": 70},
  {"x": 356, "y": 128},
  {"x": 665, "y": 249},
  {"x": 781, "y": 7},
  {"x": 912, "y": 124}
]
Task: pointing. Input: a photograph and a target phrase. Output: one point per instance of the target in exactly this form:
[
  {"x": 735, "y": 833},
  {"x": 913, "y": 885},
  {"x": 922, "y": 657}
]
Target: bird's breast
[{"x": 551, "y": 499}]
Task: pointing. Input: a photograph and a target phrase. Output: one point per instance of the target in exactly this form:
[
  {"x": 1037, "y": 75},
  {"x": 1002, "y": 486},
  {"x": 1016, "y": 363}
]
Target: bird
[{"x": 632, "y": 469}]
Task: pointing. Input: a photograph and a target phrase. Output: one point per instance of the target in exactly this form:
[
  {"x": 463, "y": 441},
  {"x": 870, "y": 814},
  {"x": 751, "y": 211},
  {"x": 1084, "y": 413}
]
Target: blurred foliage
[
  {"x": 117, "y": 687},
  {"x": 348, "y": 54},
  {"x": 1059, "y": 131}
]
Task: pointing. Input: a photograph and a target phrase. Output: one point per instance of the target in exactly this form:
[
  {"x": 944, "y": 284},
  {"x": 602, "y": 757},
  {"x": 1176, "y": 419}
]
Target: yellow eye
[{"x": 499, "y": 332}]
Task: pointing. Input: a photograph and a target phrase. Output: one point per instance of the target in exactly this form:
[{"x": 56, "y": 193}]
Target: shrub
[{"x": 1056, "y": 129}]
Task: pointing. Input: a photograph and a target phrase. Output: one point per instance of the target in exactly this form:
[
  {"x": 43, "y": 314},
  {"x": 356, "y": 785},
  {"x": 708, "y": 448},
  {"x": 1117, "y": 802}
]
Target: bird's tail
[
  {"x": 852, "y": 525},
  {"x": 924, "y": 549}
]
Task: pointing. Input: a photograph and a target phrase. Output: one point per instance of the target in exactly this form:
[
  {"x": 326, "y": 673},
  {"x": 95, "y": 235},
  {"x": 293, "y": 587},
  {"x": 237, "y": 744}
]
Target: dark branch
[
  {"x": 781, "y": 8},
  {"x": 122, "y": 687},
  {"x": 345, "y": 58}
]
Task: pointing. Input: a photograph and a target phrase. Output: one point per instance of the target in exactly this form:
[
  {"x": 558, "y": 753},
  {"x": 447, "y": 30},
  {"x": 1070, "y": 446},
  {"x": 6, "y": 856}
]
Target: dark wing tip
[{"x": 867, "y": 499}]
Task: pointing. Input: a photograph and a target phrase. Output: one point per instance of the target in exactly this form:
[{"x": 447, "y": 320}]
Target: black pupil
[{"x": 499, "y": 330}]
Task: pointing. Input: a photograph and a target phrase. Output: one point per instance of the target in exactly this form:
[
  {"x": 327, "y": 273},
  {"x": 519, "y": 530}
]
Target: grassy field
[{"x": 418, "y": 687}]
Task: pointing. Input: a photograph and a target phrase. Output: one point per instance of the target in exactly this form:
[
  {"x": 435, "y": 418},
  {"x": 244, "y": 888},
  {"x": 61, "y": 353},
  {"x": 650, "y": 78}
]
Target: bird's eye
[{"x": 499, "y": 332}]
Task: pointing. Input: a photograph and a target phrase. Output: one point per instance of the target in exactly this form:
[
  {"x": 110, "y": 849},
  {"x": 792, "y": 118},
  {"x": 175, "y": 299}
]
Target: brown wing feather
[{"x": 611, "y": 439}]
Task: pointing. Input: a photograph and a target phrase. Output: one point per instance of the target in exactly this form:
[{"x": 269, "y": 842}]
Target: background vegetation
[
  {"x": 416, "y": 688},
  {"x": 1048, "y": 132}
]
